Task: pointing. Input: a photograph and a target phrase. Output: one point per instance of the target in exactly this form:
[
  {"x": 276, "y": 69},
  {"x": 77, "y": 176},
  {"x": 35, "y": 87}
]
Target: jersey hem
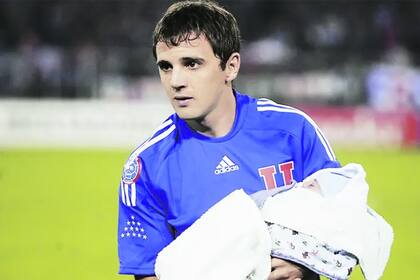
[{"x": 136, "y": 271}]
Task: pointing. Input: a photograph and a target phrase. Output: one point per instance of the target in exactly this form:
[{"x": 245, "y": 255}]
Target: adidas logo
[{"x": 225, "y": 166}]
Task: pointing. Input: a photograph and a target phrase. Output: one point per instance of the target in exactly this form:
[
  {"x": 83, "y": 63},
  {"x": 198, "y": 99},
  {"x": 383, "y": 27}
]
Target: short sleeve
[
  {"x": 317, "y": 152},
  {"x": 142, "y": 228}
]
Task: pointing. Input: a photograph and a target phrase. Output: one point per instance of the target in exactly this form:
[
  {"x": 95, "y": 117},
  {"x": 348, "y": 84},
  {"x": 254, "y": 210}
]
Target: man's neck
[{"x": 219, "y": 122}]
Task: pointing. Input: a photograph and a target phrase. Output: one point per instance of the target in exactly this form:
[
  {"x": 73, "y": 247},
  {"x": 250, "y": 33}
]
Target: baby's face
[{"x": 312, "y": 185}]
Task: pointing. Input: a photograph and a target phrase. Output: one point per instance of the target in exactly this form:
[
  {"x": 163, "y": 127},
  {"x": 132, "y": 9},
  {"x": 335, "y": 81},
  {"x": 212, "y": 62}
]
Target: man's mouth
[{"x": 183, "y": 100}]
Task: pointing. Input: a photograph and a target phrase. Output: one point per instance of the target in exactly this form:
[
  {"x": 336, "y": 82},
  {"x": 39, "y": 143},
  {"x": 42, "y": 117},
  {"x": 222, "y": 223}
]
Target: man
[{"x": 218, "y": 140}]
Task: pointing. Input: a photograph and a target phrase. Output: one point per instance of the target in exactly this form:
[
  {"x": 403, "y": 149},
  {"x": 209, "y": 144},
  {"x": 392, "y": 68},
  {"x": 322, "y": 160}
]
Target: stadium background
[{"x": 79, "y": 90}]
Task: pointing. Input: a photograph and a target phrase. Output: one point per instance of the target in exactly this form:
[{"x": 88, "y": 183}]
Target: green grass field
[{"x": 58, "y": 211}]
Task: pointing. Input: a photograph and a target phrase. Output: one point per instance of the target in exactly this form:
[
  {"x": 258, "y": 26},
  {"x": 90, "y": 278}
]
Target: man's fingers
[
  {"x": 275, "y": 262},
  {"x": 282, "y": 274},
  {"x": 284, "y": 270},
  {"x": 279, "y": 274}
]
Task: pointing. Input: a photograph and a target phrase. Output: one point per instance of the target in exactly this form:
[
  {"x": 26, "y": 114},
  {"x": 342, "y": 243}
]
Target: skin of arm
[
  {"x": 138, "y": 277},
  {"x": 284, "y": 270},
  {"x": 280, "y": 270}
]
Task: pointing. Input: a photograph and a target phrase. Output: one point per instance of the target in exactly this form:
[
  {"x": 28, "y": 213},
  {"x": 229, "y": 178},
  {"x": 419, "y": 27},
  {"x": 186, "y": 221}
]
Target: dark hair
[{"x": 186, "y": 20}]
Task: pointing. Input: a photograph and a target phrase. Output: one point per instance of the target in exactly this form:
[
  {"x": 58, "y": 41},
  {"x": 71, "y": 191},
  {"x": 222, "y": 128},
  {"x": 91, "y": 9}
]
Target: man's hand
[
  {"x": 138, "y": 277},
  {"x": 285, "y": 270}
]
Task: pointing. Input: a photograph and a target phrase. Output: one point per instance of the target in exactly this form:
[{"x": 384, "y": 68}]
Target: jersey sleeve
[
  {"x": 142, "y": 228},
  {"x": 317, "y": 152}
]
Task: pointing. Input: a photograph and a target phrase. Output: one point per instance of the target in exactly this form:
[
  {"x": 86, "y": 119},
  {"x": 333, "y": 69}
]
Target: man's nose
[{"x": 178, "y": 79}]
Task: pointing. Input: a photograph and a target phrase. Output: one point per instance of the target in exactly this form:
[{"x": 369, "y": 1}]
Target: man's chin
[{"x": 187, "y": 116}]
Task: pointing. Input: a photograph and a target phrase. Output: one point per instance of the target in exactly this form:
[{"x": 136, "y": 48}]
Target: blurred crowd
[{"x": 328, "y": 52}]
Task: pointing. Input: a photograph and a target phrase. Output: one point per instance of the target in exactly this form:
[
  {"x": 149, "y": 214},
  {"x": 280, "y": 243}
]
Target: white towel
[
  {"x": 336, "y": 214},
  {"x": 229, "y": 242}
]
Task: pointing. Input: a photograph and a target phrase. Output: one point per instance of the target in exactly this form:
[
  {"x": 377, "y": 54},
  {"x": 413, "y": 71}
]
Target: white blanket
[
  {"x": 333, "y": 208},
  {"x": 229, "y": 242}
]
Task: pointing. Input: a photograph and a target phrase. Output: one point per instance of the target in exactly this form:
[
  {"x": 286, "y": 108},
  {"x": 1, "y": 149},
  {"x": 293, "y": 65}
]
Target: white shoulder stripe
[
  {"x": 157, "y": 138},
  {"x": 128, "y": 197},
  {"x": 287, "y": 109},
  {"x": 265, "y": 101},
  {"x": 163, "y": 125},
  {"x": 133, "y": 194}
]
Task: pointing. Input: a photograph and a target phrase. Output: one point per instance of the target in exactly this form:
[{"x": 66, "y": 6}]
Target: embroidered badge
[{"x": 132, "y": 170}]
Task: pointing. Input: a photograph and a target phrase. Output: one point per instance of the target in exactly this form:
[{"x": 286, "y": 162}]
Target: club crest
[{"x": 132, "y": 170}]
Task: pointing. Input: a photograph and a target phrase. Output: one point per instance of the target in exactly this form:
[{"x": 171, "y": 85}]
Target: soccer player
[{"x": 218, "y": 140}]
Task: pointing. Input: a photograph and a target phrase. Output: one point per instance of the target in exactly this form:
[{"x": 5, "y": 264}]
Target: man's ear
[{"x": 232, "y": 67}]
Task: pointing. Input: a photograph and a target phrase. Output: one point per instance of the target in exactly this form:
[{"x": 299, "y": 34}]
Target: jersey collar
[{"x": 241, "y": 111}]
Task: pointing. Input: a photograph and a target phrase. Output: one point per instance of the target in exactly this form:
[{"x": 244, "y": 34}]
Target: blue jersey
[{"x": 174, "y": 177}]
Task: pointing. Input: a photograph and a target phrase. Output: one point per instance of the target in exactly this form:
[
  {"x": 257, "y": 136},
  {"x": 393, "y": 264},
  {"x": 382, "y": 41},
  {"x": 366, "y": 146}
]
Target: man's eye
[
  {"x": 165, "y": 67},
  {"x": 192, "y": 65}
]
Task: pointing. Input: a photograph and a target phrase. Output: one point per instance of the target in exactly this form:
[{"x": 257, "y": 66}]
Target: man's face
[{"x": 193, "y": 79}]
